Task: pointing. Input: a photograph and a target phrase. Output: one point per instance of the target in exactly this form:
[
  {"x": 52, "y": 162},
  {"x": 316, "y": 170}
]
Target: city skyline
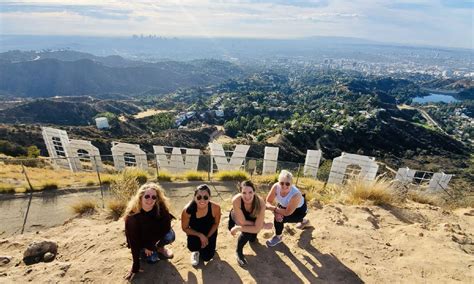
[{"x": 435, "y": 23}]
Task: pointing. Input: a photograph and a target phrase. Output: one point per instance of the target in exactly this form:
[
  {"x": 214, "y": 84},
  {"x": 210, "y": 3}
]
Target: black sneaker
[{"x": 241, "y": 259}]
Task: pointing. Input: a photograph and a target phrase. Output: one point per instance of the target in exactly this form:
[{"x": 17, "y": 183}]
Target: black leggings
[
  {"x": 296, "y": 217},
  {"x": 243, "y": 239},
  {"x": 207, "y": 253}
]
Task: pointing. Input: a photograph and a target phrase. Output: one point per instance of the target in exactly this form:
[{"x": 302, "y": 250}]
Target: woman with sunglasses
[
  {"x": 199, "y": 220},
  {"x": 247, "y": 216},
  {"x": 148, "y": 226},
  {"x": 290, "y": 206}
]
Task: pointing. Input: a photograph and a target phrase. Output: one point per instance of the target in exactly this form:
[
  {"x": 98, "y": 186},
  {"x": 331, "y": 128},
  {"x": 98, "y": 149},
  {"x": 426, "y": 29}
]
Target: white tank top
[{"x": 284, "y": 201}]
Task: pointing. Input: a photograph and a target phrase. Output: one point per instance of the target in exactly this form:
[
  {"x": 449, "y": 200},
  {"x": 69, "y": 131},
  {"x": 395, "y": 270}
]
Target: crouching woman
[
  {"x": 148, "y": 226},
  {"x": 247, "y": 216},
  {"x": 199, "y": 220}
]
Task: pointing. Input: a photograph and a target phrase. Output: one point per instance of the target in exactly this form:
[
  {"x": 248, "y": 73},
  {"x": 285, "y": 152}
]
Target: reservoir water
[{"x": 434, "y": 98}]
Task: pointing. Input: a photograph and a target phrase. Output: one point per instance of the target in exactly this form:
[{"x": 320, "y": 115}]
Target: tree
[{"x": 33, "y": 151}]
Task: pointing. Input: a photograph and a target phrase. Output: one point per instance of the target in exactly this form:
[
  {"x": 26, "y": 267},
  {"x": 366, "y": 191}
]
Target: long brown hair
[
  {"x": 256, "y": 206},
  {"x": 135, "y": 204}
]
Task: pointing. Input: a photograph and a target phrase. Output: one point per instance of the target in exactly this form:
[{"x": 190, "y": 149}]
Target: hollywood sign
[{"x": 70, "y": 153}]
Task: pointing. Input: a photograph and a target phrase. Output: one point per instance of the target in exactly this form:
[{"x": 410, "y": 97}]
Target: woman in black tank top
[
  {"x": 247, "y": 216},
  {"x": 200, "y": 220}
]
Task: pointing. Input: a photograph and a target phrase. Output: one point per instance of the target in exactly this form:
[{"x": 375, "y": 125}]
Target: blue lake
[{"x": 434, "y": 98}]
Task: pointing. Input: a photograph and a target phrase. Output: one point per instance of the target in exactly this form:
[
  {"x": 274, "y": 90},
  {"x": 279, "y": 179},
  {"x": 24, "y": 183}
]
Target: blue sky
[{"x": 436, "y": 22}]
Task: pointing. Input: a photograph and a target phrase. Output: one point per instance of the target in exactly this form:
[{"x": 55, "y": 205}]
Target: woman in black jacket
[{"x": 148, "y": 226}]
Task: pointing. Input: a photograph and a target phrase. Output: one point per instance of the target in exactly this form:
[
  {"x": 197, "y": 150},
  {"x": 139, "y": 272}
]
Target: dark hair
[
  {"x": 256, "y": 201},
  {"x": 192, "y": 208}
]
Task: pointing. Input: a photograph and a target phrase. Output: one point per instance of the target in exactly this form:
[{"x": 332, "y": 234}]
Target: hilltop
[{"x": 412, "y": 243}]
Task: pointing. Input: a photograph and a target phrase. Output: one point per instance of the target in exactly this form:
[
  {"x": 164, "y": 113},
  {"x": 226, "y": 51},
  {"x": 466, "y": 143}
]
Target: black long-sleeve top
[{"x": 144, "y": 230}]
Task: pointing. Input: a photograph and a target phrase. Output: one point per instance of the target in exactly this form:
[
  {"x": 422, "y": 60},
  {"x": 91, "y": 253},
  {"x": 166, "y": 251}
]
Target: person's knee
[
  {"x": 169, "y": 237},
  {"x": 194, "y": 244}
]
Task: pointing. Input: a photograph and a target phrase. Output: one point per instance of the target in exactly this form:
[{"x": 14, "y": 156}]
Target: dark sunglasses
[
  {"x": 199, "y": 197},
  {"x": 147, "y": 196},
  {"x": 284, "y": 183}
]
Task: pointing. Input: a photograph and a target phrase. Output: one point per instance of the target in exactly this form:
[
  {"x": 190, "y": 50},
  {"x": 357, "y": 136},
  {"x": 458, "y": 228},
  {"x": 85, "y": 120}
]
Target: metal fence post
[
  {"x": 298, "y": 174},
  {"x": 157, "y": 167},
  {"x": 29, "y": 201},
  {"x": 100, "y": 181},
  {"x": 210, "y": 168}
]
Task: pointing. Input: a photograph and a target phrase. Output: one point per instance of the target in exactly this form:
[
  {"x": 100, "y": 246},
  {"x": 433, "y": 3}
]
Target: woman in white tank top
[{"x": 290, "y": 206}]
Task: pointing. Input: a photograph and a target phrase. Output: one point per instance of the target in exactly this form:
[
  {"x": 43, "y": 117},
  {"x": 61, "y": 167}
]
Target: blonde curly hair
[{"x": 135, "y": 204}]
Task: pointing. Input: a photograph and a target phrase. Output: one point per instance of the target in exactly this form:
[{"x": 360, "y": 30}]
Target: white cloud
[{"x": 420, "y": 21}]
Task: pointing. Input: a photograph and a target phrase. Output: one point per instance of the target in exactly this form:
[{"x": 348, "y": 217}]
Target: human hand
[
  {"x": 268, "y": 226},
  {"x": 148, "y": 252},
  {"x": 129, "y": 276},
  {"x": 204, "y": 240},
  {"x": 234, "y": 230},
  {"x": 278, "y": 217}
]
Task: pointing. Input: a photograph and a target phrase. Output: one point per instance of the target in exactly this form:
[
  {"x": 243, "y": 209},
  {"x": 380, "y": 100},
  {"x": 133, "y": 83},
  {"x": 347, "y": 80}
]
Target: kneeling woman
[
  {"x": 247, "y": 216},
  {"x": 148, "y": 225},
  {"x": 199, "y": 220},
  {"x": 290, "y": 208}
]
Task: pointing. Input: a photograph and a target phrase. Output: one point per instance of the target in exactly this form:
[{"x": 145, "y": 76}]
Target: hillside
[
  {"x": 77, "y": 111},
  {"x": 345, "y": 244},
  {"x": 52, "y": 77}
]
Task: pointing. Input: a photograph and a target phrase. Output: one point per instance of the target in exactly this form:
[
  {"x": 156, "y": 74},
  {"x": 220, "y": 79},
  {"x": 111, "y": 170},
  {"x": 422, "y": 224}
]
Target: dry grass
[
  {"x": 311, "y": 187},
  {"x": 377, "y": 192},
  {"x": 139, "y": 174},
  {"x": 164, "y": 175},
  {"x": 195, "y": 175},
  {"x": 45, "y": 178},
  {"x": 265, "y": 179},
  {"x": 124, "y": 187},
  {"x": 231, "y": 175},
  {"x": 425, "y": 198},
  {"x": 84, "y": 207},
  {"x": 6, "y": 188},
  {"x": 48, "y": 185},
  {"x": 116, "y": 208}
]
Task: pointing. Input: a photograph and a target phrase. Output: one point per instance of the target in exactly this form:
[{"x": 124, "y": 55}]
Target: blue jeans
[{"x": 166, "y": 240}]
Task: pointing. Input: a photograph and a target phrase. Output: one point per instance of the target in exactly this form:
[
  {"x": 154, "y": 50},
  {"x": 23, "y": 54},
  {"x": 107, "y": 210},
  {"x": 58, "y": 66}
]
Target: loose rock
[{"x": 35, "y": 252}]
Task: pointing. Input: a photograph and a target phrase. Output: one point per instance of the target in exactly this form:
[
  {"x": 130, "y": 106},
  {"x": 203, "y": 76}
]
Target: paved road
[{"x": 54, "y": 208}]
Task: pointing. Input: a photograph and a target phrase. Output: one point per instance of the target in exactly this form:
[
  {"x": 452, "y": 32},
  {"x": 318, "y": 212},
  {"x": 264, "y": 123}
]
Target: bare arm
[
  {"x": 295, "y": 200},
  {"x": 255, "y": 228},
  {"x": 238, "y": 215},
  {"x": 185, "y": 217},
  {"x": 216, "y": 212},
  {"x": 271, "y": 198}
]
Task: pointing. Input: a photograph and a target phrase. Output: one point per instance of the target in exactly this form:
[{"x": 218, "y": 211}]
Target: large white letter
[
  {"x": 367, "y": 166},
  {"x": 270, "y": 160},
  {"x": 57, "y": 143},
  {"x": 128, "y": 155},
  {"x": 176, "y": 161},
  {"x": 311, "y": 164},
  {"x": 234, "y": 162}
]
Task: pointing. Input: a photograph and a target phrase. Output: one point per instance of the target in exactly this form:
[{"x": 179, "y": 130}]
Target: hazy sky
[{"x": 435, "y": 22}]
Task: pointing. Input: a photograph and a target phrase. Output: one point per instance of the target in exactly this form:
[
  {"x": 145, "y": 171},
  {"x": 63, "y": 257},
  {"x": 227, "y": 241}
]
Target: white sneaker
[
  {"x": 194, "y": 258},
  {"x": 303, "y": 224}
]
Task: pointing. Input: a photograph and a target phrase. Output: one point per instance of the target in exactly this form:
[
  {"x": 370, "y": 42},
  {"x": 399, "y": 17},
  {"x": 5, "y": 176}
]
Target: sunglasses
[
  {"x": 147, "y": 196},
  {"x": 199, "y": 197},
  {"x": 284, "y": 183}
]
